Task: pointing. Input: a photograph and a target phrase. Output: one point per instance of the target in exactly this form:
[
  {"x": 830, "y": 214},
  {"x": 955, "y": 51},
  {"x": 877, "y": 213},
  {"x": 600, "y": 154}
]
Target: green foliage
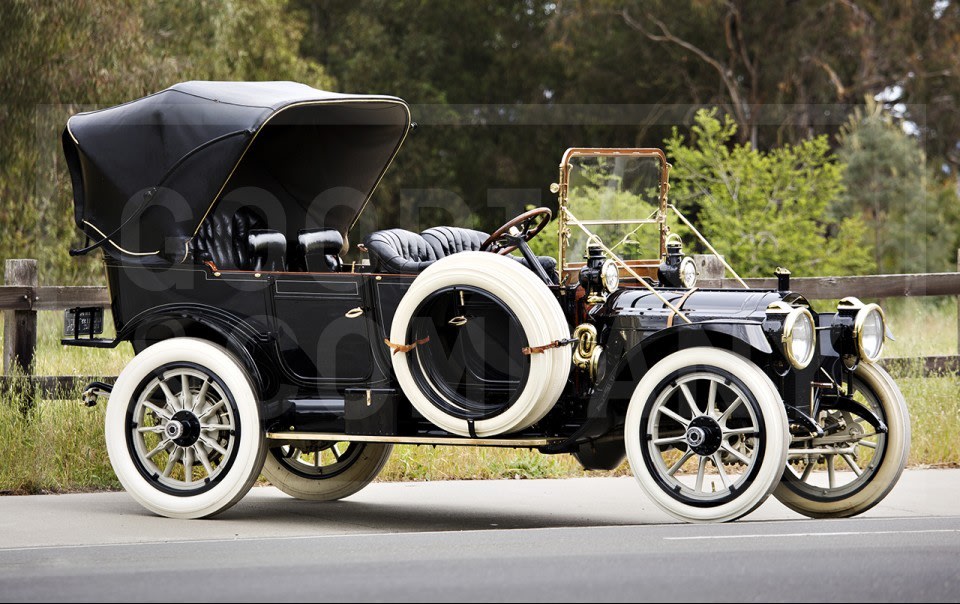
[
  {"x": 765, "y": 209},
  {"x": 910, "y": 212},
  {"x": 547, "y": 243},
  {"x": 606, "y": 188},
  {"x": 499, "y": 88},
  {"x": 229, "y": 40}
]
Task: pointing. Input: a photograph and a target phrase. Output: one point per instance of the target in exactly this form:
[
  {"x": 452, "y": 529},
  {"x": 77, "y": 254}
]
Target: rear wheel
[
  {"x": 853, "y": 467},
  {"x": 324, "y": 471},
  {"x": 706, "y": 435},
  {"x": 183, "y": 429}
]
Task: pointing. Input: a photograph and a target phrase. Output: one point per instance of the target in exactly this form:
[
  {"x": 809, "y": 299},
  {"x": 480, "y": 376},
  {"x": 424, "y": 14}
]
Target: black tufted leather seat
[
  {"x": 224, "y": 239},
  {"x": 239, "y": 242},
  {"x": 447, "y": 240},
  {"x": 398, "y": 251}
]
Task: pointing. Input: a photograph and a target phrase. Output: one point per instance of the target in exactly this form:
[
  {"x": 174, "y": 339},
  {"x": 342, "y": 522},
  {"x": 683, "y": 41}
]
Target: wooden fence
[{"x": 22, "y": 297}]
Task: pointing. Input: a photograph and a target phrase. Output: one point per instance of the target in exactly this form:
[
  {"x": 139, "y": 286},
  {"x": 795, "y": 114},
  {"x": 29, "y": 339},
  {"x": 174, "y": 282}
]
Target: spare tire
[{"x": 495, "y": 291}]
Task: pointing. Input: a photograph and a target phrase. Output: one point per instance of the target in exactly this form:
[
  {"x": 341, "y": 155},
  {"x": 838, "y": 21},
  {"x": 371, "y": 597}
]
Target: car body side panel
[{"x": 292, "y": 332}]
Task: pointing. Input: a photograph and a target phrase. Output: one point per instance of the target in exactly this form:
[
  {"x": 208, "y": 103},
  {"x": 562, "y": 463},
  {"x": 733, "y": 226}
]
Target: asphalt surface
[{"x": 564, "y": 540}]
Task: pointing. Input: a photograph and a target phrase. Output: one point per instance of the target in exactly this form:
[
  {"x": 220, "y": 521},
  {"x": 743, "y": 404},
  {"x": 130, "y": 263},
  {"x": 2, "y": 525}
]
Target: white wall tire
[
  {"x": 686, "y": 407},
  {"x": 315, "y": 475},
  {"x": 185, "y": 403},
  {"x": 539, "y": 315},
  {"x": 810, "y": 492}
]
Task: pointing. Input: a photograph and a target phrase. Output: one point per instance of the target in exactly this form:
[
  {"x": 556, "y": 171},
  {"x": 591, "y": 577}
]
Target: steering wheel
[{"x": 524, "y": 227}]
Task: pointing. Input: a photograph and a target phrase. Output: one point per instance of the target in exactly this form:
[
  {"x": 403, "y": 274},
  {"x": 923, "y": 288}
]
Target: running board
[{"x": 516, "y": 443}]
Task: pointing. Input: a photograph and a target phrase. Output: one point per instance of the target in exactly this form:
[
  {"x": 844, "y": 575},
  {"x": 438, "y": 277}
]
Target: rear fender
[{"x": 213, "y": 324}]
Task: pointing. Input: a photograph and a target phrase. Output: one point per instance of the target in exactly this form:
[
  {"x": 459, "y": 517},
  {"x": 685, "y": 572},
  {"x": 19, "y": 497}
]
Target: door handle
[{"x": 353, "y": 313}]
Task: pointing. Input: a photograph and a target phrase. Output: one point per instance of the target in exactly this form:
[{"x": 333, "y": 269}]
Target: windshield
[{"x": 614, "y": 195}]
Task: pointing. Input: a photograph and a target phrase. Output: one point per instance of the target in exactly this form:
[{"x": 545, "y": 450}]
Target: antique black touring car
[{"x": 224, "y": 213}]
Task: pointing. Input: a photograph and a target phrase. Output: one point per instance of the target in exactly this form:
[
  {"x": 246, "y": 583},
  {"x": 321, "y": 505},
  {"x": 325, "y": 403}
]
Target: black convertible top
[{"x": 147, "y": 173}]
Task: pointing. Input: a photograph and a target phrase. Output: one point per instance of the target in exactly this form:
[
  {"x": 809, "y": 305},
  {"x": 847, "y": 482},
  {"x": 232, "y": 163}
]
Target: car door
[{"x": 323, "y": 326}]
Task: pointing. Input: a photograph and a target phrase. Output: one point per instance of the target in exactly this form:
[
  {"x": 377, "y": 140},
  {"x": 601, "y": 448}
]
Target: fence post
[
  {"x": 709, "y": 267},
  {"x": 19, "y": 326},
  {"x": 958, "y": 306}
]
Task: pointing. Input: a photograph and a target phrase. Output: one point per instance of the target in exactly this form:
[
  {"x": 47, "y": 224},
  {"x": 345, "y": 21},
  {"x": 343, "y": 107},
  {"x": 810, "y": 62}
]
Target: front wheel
[
  {"x": 853, "y": 467},
  {"x": 324, "y": 471},
  {"x": 183, "y": 429},
  {"x": 706, "y": 435}
]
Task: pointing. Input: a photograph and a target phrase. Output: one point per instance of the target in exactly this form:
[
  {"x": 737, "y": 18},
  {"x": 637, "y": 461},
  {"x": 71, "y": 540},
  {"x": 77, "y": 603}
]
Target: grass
[
  {"x": 58, "y": 446},
  {"x": 55, "y": 447}
]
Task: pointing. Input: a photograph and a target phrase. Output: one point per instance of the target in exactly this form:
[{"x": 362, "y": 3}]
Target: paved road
[{"x": 583, "y": 539}]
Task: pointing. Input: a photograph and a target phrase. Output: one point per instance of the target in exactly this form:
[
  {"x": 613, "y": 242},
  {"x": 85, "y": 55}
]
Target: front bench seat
[
  {"x": 398, "y": 251},
  {"x": 447, "y": 240}
]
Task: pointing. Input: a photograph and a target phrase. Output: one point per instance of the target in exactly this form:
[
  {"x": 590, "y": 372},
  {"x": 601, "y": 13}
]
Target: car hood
[{"x": 698, "y": 305}]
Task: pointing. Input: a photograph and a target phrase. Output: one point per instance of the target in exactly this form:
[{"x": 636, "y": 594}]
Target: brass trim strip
[
  {"x": 629, "y": 221},
  {"x": 415, "y": 440},
  {"x": 70, "y": 132}
]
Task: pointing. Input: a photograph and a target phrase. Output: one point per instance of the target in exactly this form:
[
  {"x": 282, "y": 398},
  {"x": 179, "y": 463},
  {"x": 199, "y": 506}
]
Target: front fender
[
  {"x": 634, "y": 355},
  {"x": 750, "y": 333},
  {"x": 629, "y": 355}
]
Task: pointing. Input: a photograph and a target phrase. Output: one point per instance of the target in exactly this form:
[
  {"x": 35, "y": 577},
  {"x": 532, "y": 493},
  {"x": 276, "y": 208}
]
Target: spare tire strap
[
  {"x": 555, "y": 344},
  {"x": 405, "y": 347}
]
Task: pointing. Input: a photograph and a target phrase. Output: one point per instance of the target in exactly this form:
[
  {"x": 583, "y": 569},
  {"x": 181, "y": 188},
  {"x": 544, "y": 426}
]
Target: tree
[
  {"x": 57, "y": 58},
  {"x": 765, "y": 209},
  {"x": 464, "y": 68},
  {"x": 796, "y": 66},
  {"x": 911, "y": 213}
]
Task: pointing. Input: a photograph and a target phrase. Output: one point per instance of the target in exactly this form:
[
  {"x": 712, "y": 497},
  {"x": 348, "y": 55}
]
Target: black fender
[
  {"x": 745, "y": 338},
  {"x": 628, "y": 361},
  {"x": 209, "y": 323}
]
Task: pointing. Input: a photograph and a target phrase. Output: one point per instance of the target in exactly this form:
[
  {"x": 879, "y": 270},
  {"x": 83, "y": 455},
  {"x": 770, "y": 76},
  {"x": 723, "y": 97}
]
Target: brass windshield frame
[{"x": 564, "y": 218}]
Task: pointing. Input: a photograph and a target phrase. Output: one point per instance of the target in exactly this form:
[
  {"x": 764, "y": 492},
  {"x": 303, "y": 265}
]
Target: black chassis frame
[{"x": 282, "y": 327}]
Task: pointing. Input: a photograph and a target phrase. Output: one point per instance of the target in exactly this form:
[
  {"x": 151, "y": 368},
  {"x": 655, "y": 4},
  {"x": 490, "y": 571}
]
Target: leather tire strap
[
  {"x": 404, "y": 347},
  {"x": 555, "y": 344}
]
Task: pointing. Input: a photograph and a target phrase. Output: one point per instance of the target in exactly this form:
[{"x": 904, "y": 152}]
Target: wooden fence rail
[
  {"x": 22, "y": 297},
  {"x": 867, "y": 286}
]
